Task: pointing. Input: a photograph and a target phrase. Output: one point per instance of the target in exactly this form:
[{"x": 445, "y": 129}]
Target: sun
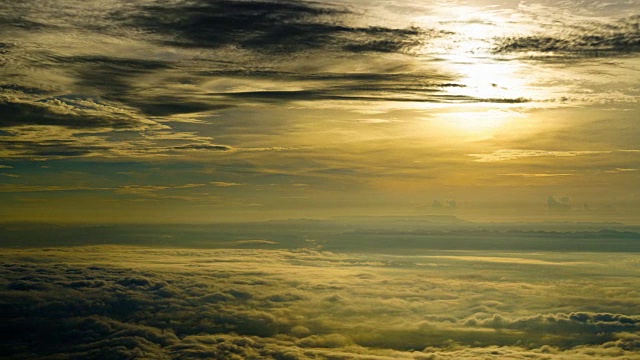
[{"x": 491, "y": 93}]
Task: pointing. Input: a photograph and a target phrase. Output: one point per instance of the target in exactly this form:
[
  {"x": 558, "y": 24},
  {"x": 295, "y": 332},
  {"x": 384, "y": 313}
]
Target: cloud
[
  {"x": 567, "y": 325},
  {"x": 225, "y": 184},
  {"x": 621, "y": 170},
  {"x": 235, "y": 81},
  {"x": 140, "y": 189},
  {"x": 164, "y": 65},
  {"x": 275, "y": 148},
  {"x": 325, "y": 341},
  {"x": 157, "y": 191},
  {"x": 58, "y": 141},
  {"x": 134, "y": 191},
  {"x": 72, "y": 126},
  {"x": 111, "y": 76},
  {"x": 374, "y": 93},
  {"x": 559, "y": 203},
  {"x": 104, "y": 110},
  {"x": 4, "y": 48},
  {"x": 17, "y": 89},
  {"x": 514, "y": 154},
  {"x": 270, "y": 27},
  {"x": 586, "y": 39},
  {"x": 77, "y": 113},
  {"x": 211, "y": 147},
  {"x": 504, "y": 259},
  {"x": 537, "y": 175},
  {"x": 168, "y": 105},
  {"x": 18, "y": 188},
  {"x": 183, "y": 303},
  {"x": 257, "y": 242}
]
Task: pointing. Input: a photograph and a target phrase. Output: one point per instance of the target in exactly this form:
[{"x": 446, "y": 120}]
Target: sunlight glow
[
  {"x": 476, "y": 124},
  {"x": 493, "y": 92}
]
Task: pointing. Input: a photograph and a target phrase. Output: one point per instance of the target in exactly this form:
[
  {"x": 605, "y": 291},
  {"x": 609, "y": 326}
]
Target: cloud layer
[
  {"x": 275, "y": 27},
  {"x": 117, "y": 302}
]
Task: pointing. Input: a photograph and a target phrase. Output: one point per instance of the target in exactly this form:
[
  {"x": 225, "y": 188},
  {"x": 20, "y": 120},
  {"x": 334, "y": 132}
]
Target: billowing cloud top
[{"x": 97, "y": 302}]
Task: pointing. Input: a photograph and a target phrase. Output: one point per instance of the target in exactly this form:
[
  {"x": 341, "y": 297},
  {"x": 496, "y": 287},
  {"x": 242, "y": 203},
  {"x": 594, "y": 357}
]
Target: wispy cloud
[
  {"x": 621, "y": 170},
  {"x": 537, "y": 175},
  {"x": 225, "y": 184},
  {"x": 583, "y": 39},
  {"x": 148, "y": 189},
  {"x": 513, "y": 154},
  {"x": 268, "y": 27},
  {"x": 70, "y": 112},
  {"x": 19, "y": 188},
  {"x": 140, "y": 191}
]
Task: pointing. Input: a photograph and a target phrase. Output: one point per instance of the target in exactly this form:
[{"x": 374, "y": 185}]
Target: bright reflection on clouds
[
  {"x": 482, "y": 75},
  {"x": 474, "y": 124},
  {"x": 489, "y": 79}
]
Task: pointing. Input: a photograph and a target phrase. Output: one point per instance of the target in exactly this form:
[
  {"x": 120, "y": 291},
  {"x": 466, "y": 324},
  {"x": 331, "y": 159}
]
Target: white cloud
[{"x": 225, "y": 184}]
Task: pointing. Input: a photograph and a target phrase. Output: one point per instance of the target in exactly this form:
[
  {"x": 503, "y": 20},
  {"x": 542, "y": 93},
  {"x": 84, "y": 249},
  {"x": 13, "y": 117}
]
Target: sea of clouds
[{"x": 117, "y": 302}]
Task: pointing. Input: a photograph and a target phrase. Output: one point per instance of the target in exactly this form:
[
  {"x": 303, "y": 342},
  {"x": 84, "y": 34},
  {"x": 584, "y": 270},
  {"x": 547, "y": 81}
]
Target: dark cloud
[
  {"x": 73, "y": 126},
  {"x": 18, "y": 15},
  {"x": 567, "y": 328},
  {"x": 275, "y": 27},
  {"x": 386, "y": 40},
  {"x": 112, "y": 76},
  {"x": 393, "y": 84},
  {"x": 389, "y": 77},
  {"x": 212, "y": 147},
  {"x": 595, "y": 39},
  {"x": 51, "y": 148},
  {"x": 22, "y": 89},
  {"x": 68, "y": 112},
  {"x": 4, "y": 50},
  {"x": 372, "y": 94},
  {"x": 85, "y": 311},
  {"x": 4, "y": 47},
  {"x": 166, "y": 106},
  {"x": 118, "y": 64}
]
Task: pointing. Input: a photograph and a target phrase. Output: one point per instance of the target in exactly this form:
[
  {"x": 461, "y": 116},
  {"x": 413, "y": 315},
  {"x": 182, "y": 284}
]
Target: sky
[{"x": 201, "y": 111}]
